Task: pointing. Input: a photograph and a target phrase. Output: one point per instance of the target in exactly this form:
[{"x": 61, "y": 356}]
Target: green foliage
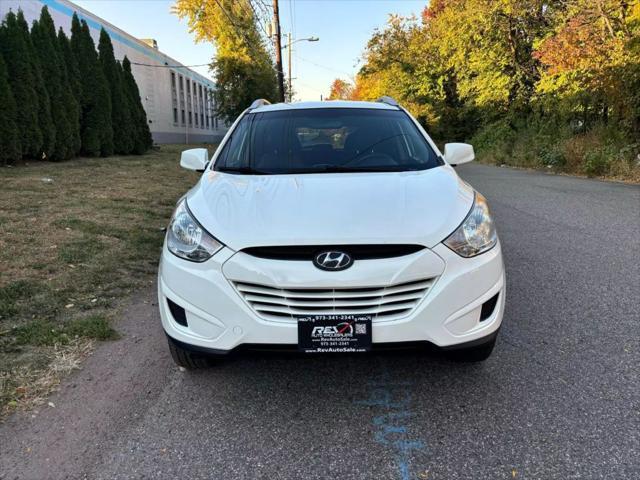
[
  {"x": 71, "y": 94},
  {"x": 141, "y": 133},
  {"x": 238, "y": 84},
  {"x": 597, "y": 161},
  {"x": 16, "y": 54},
  {"x": 120, "y": 111},
  {"x": 497, "y": 138},
  {"x": 9, "y": 139},
  {"x": 243, "y": 67},
  {"x": 95, "y": 98},
  {"x": 45, "y": 42},
  {"x": 530, "y": 82},
  {"x": 46, "y": 332},
  {"x": 45, "y": 121}
]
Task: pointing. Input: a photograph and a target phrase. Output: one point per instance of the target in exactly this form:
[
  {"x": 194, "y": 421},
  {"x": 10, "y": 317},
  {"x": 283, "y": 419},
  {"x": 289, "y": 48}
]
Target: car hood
[{"x": 243, "y": 211}]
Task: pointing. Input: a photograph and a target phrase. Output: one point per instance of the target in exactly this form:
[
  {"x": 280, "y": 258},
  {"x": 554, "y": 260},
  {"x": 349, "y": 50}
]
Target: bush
[
  {"x": 495, "y": 142},
  {"x": 597, "y": 161}
]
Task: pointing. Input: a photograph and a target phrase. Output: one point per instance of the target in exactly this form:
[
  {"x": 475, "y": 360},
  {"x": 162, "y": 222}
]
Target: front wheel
[
  {"x": 478, "y": 353},
  {"x": 187, "y": 359}
]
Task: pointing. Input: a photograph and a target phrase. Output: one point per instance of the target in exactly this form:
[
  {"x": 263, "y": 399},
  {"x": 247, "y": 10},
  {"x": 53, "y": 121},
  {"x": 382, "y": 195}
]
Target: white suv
[{"x": 330, "y": 227}]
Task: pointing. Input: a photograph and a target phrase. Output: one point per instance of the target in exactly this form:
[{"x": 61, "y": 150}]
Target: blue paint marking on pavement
[
  {"x": 65, "y": 10},
  {"x": 391, "y": 430}
]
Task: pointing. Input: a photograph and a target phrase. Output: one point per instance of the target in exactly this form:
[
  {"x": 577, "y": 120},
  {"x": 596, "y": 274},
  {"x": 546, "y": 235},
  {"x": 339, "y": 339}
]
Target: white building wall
[{"x": 155, "y": 84}]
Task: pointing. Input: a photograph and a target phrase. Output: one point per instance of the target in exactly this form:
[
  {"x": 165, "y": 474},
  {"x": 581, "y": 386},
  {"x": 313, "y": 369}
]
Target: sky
[{"x": 343, "y": 26}]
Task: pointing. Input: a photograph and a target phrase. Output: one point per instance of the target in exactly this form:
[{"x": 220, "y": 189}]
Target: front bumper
[{"x": 219, "y": 319}]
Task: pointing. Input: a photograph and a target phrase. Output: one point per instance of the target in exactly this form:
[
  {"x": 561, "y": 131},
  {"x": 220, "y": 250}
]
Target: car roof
[{"x": 325, "y": 104}]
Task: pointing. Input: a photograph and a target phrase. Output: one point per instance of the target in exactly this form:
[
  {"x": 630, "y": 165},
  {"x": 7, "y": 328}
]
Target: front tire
[
  {"x": 187, "y": 359},
  {"x": 478, "y": 353}
]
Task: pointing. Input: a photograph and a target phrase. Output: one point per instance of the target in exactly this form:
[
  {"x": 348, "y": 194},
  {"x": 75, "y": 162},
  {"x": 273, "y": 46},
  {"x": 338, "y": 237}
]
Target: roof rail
[
  {"x": 388, "y": 101},
  {"x": 259, "y": 103}
]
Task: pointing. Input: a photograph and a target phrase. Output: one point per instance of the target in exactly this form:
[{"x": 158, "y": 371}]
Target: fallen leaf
[
  {"x": 51, "y": 404},
  {"x": 68, "y": 305}
]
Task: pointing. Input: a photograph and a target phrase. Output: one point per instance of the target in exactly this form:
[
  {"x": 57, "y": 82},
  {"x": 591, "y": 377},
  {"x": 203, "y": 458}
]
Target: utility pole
[
  {"x": 289, "y": 90},
  {"x": 276, "y": 19}
]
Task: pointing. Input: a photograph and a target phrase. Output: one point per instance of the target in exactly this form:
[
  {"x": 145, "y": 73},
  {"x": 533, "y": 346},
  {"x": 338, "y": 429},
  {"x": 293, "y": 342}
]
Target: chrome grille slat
[
  {"x": 331, "y": 293},
  {"x": 331, "y": 302},
  {"x": 319, "y": 310},
  {"x": 383, "y": 302}
]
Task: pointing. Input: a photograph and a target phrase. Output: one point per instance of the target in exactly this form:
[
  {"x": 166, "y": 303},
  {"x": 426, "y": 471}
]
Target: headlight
[
  {"x": 477, "y": 234},
  {"x": 187, "y": 239}
]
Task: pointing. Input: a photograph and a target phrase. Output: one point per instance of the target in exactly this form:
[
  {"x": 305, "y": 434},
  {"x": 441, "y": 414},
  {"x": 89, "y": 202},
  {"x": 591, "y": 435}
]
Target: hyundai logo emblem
[{"x": 332, "y": 260}]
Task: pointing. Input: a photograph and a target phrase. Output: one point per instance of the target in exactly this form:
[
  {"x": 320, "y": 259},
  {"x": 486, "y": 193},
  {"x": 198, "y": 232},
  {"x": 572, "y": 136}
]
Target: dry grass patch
[{"x": 75, "y": 239}]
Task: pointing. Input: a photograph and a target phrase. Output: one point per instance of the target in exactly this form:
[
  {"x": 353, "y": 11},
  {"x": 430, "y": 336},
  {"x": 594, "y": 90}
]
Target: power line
[
  {"x": 257, "y": 17},
  {"x": 237, "y": 28},
  {"x": 170, "y": 66},
  {"x": 342, "y": 72}
]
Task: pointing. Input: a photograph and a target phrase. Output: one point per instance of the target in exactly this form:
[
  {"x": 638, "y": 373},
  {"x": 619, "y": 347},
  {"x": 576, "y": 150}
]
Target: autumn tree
[
  {"x": 530, "y": 82},
  {"x": 591, "y": 62},
  {"x": 340, "y": 90},
  {"x": 242, "y": 66}
]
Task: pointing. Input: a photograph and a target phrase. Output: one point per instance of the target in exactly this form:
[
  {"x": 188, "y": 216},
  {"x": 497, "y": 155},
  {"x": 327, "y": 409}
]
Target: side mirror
[
  {"x": 195, "y": 159},
  {"x": 458, "y": 153}
]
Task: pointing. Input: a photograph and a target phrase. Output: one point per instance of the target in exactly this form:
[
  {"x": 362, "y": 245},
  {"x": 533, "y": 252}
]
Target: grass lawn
[{"x": 75, "y": 239}]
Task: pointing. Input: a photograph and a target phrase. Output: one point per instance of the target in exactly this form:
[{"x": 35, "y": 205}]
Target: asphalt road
[{"x": 559, "y": 398}]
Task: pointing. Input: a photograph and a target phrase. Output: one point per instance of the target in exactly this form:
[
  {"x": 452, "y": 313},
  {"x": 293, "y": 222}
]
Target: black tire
[
  {"x": 187, "y": 359},
  {"x": 473, "y": 354}
]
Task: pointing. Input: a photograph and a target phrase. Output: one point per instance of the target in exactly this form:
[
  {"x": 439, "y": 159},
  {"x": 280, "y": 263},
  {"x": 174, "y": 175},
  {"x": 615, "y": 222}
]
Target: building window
[
  {"x": 202, "y": 120},
  {"x": 196, "y": 119},
  {"x": 207, "y": 117},
  {"x": 175, "y": 115},
  {"x": 190, "y": 119},
  {"x": 183, "y": 116}
]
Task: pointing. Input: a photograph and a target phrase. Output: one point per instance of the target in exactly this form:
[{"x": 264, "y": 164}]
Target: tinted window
[{"x": 326, "y": 140}]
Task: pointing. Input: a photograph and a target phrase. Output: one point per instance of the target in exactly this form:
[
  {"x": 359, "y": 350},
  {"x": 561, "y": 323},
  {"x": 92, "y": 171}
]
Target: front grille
[
  {"x": 383, "y": 303},
  {"x": 357, "y": 252}
]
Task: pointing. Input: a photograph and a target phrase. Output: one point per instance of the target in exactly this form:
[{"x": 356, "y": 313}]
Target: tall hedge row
[{"x": 61, "y": 97}]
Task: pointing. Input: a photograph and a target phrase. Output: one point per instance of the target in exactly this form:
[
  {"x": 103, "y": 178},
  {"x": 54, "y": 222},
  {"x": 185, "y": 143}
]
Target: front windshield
[{"x": 326, "y": 140}]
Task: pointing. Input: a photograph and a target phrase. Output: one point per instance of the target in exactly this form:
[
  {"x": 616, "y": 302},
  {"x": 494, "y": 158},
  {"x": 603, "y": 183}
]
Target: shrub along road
[{"x": 558, "y": 399}]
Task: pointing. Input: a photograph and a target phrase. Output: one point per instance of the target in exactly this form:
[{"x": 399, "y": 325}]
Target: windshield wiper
[
  {"x": 243, "y": 170},
  {"x": 377, "y": 168}
]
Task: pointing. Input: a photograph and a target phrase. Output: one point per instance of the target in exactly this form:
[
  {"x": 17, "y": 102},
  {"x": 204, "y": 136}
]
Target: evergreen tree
[
  {"x": 72, "y": 94},
  {"x": 43, "y": 35},
  {"x": 121, "y": 136},
  {"x": 45, "y": 121},
  {"x": 96, "y": 129},
  {"x": 9, "y": 139},
  {"x": 16, "y": 56},
  {"x": 142, "y": 138},
  {"x": 128, "y": 125}
]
